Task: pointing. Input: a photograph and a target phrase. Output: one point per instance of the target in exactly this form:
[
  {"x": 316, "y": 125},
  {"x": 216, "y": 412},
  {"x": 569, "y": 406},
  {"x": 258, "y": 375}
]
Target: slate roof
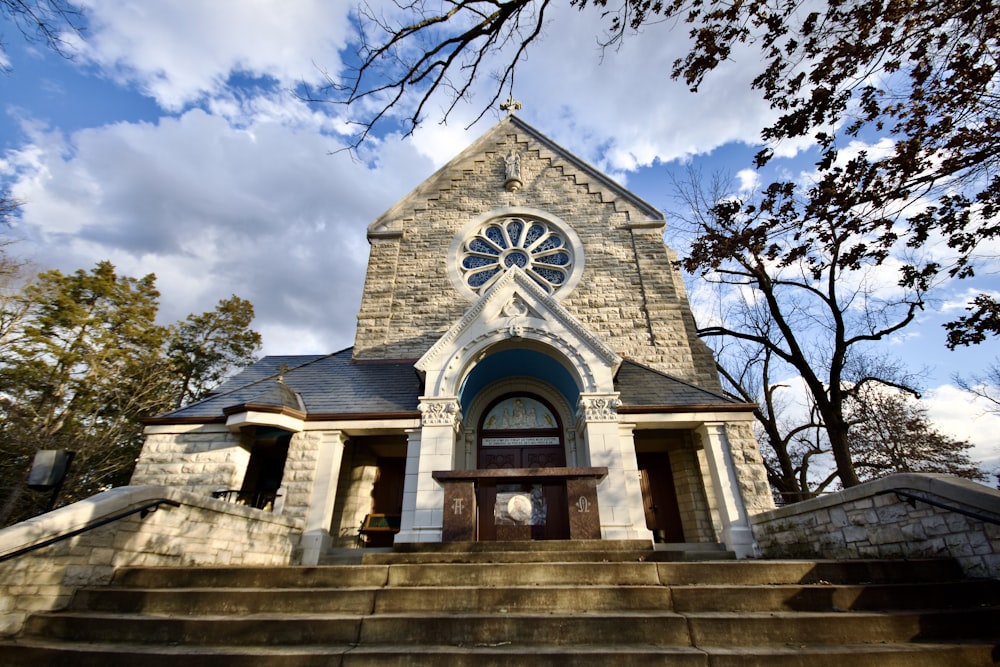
[
  {"x": 328, "y": 385},
  {"x": 334, "y": 386},
  {"x": 643, "y": 387}
]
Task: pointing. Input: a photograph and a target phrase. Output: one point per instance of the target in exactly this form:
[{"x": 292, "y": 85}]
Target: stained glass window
[{"x": 533, "y": 245}]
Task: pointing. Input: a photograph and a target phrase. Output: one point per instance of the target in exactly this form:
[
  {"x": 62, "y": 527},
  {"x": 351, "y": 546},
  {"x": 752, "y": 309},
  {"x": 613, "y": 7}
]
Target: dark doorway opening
[
  {"x": 266, "y": 468},
  {"x": 387, "y": 502},
  {"x": 659, "y": 497}
]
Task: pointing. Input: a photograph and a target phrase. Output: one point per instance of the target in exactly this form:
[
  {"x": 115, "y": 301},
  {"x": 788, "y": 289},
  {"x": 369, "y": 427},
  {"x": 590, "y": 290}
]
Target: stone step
[
  {"x": 835, "y": 597},
  {"x": 526, "y": 546},
  {"x": 650, "y": 627},
  {"x": 571, "y": 573},
  {"x": 561, "y": 599},
  {"x": 684, "y": 555},
  {"x": 199, "y": 601},
  {"x": 918, "y": 613},
  {"x": 32, "y": 653},
  {"x": 459, "y": 557},
  {"x": 735, "y": 629},
  {"x": 653, "y": 627},
  {"x": 332, "y": 576}
]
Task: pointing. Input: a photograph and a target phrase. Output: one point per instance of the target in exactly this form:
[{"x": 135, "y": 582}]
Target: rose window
[{"x": 532, "y": 245}]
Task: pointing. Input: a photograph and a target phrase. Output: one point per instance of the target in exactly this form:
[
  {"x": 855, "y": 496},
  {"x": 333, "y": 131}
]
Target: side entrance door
[{"x": 659, "y": 497}]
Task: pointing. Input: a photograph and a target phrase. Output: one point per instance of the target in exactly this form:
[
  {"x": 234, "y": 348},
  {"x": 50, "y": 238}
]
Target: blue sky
[{"x": 171, "y": 143}]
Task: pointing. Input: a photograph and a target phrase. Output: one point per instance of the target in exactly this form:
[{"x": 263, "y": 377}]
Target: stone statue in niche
[{"x": 512, "y": 172}]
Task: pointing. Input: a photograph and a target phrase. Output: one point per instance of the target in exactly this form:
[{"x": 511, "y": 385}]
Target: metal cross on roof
[
  {"x": 282, "y": 369},
  {"x": 511, "y": 105}
]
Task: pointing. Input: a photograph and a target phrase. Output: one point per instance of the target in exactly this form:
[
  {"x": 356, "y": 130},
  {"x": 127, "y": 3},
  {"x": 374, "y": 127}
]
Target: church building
[{"x": 525, "y": 367}]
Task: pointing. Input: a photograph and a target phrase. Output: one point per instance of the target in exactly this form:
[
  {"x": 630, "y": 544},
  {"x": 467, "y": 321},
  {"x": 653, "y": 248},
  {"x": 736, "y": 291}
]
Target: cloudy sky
[{"x": 171, "y": 141}]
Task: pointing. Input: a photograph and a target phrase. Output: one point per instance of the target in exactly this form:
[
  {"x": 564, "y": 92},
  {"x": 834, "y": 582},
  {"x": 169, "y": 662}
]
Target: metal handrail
[
  {"x": 143, "y": 510},
  {"x": 911, "y": 498}
]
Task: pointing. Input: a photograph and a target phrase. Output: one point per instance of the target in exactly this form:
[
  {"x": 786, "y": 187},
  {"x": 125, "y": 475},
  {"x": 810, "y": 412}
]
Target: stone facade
[
  {"x": 630, "y": 294},
  {"x": 198, "y": 458},
  {"x": 516, "y": 270}
]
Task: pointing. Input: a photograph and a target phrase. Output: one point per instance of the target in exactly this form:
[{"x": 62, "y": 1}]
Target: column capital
[
  {"x": 440, "y": 411},
  {"x": 598, "y": 407}
]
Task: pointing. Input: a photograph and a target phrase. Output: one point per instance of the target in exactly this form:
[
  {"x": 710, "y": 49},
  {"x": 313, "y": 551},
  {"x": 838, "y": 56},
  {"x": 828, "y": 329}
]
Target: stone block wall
[
  {"x": 628, "y": 294},
  {"x": 354, "y": 494},
  {"x": 874, "y": 521},
  {"x": 689, "y": 485},
  {"x": 201, "y": 459},
  {"x": 198, "y": 531},
  {"x": 749, "y": 467},
  {"x": 207, "y": 458},
  {"x": 300, "y": 473}
]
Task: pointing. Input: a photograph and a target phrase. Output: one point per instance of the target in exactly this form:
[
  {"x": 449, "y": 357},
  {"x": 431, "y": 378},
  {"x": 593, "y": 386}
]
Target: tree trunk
[{"x": 837, "y": 432}]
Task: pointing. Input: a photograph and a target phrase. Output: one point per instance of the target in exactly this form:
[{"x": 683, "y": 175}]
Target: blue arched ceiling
[{"x": 519, "y": 362}]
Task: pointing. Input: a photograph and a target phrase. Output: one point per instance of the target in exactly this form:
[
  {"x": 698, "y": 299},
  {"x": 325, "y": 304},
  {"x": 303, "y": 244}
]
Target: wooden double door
[{"x": 520, "y": 431}]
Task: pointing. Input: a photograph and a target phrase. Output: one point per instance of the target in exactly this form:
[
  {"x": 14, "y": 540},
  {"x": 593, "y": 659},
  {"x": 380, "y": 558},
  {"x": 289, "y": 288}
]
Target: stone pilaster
[
  {"x": 736, "y": 532},
  {"x": 432, "y": 449},
  {"x": 316, "y": 537},
  {"x": 620, "y": 499}
]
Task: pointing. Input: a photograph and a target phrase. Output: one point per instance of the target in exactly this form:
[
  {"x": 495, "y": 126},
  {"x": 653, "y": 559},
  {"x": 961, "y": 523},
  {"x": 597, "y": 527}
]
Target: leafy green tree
[
  {"x": 206, "y": 348},
  {"x": 86, "y": 366},
  {"x": 982, "y": 321},
  {"x": 891, "y": 433},
  {"x": 85, "y": 360}
]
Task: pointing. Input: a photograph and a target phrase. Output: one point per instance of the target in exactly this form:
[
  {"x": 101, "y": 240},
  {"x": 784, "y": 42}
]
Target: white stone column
[
  {"x": 434, "y": 449},
  {"x": 633, "y": 483},
  {"x": 319, "y": 515},
  {"x": 619, "y": 498},
  {"x": 736, "y": 532},
  {"x": 406, "y": 533}
]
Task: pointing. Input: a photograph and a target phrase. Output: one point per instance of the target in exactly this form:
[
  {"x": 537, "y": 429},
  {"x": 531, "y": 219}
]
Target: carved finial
[
  {"x": 282, "y": 369},
  {"x": 511, "y": 105}
]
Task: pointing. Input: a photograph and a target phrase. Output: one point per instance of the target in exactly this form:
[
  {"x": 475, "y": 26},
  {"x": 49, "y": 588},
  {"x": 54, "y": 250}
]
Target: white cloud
[
  {"x": 958, "y": 302},
  {"x": 618, "y": 109},
  {"x": 965, "y": 416},
  {"x": 181, "y": 52},
  {"x": 625, "y": 103},
  {"x": 749, "y": 179},
  {"x": 265, "y": 212}
]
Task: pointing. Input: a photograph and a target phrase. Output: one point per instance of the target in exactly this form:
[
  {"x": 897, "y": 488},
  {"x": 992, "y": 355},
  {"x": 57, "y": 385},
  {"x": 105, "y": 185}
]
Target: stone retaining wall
[
  {"x": 199, "y": 531},
  {"x": 874, "y": 521}
]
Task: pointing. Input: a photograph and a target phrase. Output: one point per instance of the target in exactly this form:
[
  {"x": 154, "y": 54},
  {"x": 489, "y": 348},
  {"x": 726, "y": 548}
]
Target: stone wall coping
[
  {"x": 947, "y": 487},
  {"x": 121, "y": 499}
]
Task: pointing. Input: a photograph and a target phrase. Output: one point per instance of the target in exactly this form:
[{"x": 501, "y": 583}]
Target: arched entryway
[{"x": 521, "y": 431}]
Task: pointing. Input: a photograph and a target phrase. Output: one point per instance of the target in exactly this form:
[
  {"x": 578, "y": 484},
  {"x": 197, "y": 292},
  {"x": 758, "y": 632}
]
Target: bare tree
[
  {"x": 794, "y": 449},
  {"x": 890, "y": 433},
  {"x": 46, "y": 21},
  {"x": 427, "y": 48},
  {"x": 806, "y": 310},
  {"x": 985, "y": 385},
  {"x": 923, "y": 76}
]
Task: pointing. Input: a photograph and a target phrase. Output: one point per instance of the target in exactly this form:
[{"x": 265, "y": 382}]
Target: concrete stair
[{"x": 527, "y": 603}]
